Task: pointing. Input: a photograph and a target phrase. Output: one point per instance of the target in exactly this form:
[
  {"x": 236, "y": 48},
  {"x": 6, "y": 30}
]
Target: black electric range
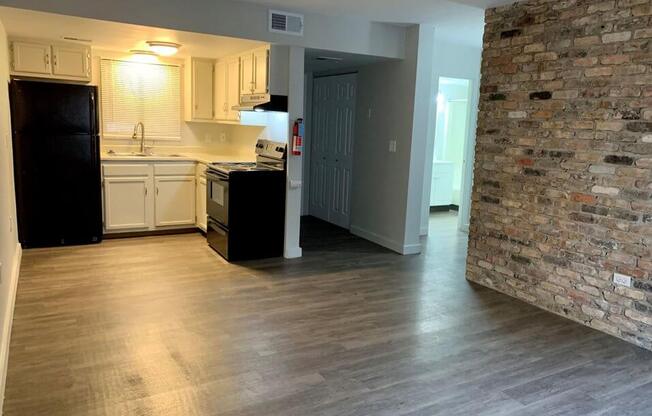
[{"x": 245, "y": 202}]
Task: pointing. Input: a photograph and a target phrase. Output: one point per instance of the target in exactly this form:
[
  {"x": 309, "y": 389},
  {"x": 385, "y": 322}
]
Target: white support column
[{"x": 294, "y": 163}]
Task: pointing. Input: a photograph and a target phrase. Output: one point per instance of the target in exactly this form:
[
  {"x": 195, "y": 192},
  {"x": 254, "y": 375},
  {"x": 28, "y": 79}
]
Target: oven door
[
  {"x": 217, "y": 197},
  {"x": 218, "y": 237}
]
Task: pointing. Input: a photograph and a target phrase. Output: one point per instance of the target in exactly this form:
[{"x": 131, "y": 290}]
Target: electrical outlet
[
  {"x": 622, "y": 280},
  {"x": 369, "y": 113},
  {"x": 392, "y": 146}
]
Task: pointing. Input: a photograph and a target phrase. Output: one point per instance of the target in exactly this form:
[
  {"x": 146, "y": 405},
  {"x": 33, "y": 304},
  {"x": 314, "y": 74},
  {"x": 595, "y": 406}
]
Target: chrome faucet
[{"x": 142, "y": 135}]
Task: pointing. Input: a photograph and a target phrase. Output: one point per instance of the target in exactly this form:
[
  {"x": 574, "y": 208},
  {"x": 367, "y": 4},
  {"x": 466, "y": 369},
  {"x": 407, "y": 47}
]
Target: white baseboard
[
  {"x": 409, "y": 249},
  {"x": 6, "y": 325},
  {"x": 385, "y": 241},
  {"x": 293, "y": 253}
]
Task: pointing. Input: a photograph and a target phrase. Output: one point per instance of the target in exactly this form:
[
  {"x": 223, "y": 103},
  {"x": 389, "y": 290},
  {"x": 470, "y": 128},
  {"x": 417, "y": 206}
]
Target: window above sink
[{"x": 132, "y": 92}]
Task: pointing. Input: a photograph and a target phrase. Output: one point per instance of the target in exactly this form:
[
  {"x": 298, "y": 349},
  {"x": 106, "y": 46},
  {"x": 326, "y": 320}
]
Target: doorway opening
[{"x": 449, "y": 196}]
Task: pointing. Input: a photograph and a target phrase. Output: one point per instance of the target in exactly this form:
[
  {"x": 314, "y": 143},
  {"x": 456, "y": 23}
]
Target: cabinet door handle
[
  {"x": 267, "y": 71},
  {"x": 157, "y": 190},
  {"x": 145, "y": 191},
  {"x": 47, "y": 59},
  {"x": 54, "y": 60}
]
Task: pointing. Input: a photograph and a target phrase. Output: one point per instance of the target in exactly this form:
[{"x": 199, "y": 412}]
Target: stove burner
[
  {"x": 269, "y": 156},
  {"x": 231, "y": 166}
]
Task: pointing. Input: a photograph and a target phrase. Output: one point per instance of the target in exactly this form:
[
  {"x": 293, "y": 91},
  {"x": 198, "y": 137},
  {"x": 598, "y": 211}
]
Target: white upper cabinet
[
  {"x": 31, "y": 58},
  {"x": 71, "y": 61},
  {"x": 261, "y": 71},
  {"x": 254, "y": 72},
  {"x": 247, "y": 73},
  {"x": 227, "y": 84},
  {"x": 215, "y": 86},
  {"x": 220, "y": 91},
  {"x": 55, "y": 60},
  {"x": 232, "y": 87},
  {"x": 202, "y": 90}
]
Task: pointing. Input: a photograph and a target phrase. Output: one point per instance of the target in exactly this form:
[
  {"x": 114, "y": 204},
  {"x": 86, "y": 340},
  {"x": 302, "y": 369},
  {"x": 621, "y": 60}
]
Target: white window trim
[{"x": 148, "y": 137}]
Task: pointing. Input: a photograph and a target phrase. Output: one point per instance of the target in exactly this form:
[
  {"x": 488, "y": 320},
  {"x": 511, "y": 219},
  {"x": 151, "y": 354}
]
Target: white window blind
[{"x": 133, "y": 92}]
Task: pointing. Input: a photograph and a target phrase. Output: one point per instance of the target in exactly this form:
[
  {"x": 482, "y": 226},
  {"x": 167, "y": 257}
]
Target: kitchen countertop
[{"x": 205, "y": 158}]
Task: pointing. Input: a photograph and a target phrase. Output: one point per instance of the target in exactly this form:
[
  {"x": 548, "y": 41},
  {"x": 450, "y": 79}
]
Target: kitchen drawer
[
  {"x": 124, "y": 169},
  {"x": 174, "y": 169}
]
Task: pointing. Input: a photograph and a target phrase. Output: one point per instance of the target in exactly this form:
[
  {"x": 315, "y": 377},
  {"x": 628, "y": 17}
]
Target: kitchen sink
[{"x": 138, "y": 154}]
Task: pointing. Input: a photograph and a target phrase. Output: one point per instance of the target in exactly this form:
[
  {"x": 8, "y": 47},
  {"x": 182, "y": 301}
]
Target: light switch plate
[{"x": 622, "y": 280}]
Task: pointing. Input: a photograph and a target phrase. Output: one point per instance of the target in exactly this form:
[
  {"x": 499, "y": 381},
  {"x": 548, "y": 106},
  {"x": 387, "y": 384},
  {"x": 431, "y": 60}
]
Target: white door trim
[{"x": 464, "y": 214}]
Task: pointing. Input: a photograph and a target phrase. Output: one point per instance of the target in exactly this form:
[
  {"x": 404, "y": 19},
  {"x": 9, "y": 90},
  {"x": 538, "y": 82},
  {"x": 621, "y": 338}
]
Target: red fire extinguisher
[{"x": 297, "y": 137}]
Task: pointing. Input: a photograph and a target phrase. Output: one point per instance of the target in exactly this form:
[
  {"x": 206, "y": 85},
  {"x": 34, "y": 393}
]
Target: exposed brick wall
[{"x": 562, "y": 193}]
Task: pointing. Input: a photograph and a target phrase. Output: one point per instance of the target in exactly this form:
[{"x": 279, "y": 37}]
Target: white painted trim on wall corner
[
  {"x": 6, "y": 327},
  {"x": 385, "y": 241},
  {"x": 293, "y": 253}
]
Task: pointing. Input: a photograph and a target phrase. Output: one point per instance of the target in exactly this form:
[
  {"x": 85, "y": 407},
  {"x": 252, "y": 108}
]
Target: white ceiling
[
  {"x": 457, "y": 20},
  {"x": 120, "y": 37}
]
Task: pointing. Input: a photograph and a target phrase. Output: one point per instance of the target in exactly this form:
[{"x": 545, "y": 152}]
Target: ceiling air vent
[{"x": 284, "y": 22}]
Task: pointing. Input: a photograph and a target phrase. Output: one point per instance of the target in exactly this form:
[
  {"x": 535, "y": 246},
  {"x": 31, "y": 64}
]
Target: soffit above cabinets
[{"x": 116, "y": 36}]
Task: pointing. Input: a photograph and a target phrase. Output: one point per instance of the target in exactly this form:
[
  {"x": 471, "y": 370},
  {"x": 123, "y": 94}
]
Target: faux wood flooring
[{"x": 162, "y": 326}]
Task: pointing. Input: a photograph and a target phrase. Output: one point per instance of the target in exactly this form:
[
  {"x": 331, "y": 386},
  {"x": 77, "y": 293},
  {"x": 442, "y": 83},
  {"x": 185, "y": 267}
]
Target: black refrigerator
[{"x": 56, "y": 163}]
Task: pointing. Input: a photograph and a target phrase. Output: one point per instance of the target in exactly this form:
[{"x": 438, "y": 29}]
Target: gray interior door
[{"x": 331, "y": 163}]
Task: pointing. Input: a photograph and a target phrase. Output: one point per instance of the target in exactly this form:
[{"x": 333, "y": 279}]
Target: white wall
[
  {"x": 9, "y": 247},
  {"x": 394, "y": 100},
  {"x": 235, "y": 19},
  {"x": 294, "y": 163},
  {"x": 454, "y": 61}
]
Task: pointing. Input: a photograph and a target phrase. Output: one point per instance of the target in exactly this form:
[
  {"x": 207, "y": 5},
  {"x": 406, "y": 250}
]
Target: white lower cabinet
[
  {"x": 175, "y": 200},
  {"x": 150, "y": 196},
  {"x": 200, "y": 205},
  {"x": 126, "y": 203}
]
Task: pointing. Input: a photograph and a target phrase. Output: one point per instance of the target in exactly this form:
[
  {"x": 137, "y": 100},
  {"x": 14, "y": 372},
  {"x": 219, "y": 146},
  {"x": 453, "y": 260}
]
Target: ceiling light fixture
[
  {"x": 163, "y": 48},
  {"x": 329, "y": 58},
  {"x": 142, "y": 52},
  {"x": 139, "y": 55}
]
